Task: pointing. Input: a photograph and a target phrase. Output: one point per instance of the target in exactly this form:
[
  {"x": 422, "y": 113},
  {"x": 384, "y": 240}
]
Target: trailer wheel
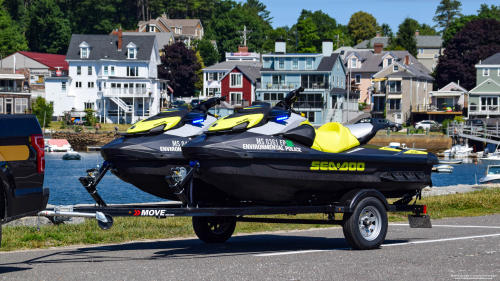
[
  {"x": 366, "y": 227},
  {"x": 214, "y": 229}
]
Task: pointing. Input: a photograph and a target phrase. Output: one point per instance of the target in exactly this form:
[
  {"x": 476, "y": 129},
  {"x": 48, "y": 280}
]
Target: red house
[{"x": 239, "y": 85}]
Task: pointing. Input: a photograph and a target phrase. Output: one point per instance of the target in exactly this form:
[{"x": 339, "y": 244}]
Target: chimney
[
  {"x": 242, "y": 49},
  {"x": 378, "y": 47},
  {"x": 378, "y": 34},
  {"x": 280, "y": 46},
  {"x": 164, "y": 15},
  {"x": 119, "y": 33},
  {"x": 417, "y": 33},
  {"x": 407, "y": 60},
  {"x": 327, "y": 47}
]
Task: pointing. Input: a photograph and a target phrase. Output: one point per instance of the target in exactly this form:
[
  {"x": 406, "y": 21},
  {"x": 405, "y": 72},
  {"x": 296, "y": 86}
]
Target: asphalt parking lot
[{"x": 454, "y": 249}]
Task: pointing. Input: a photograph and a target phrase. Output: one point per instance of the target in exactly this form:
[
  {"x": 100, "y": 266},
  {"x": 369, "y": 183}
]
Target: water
[
  {"x": 61, "y": 176},
  {"x": 462, "y": 174},
  {"x": 65, "y": 189}
]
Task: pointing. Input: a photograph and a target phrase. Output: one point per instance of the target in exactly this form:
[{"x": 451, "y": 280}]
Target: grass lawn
[{"x": 477, "y": 203}]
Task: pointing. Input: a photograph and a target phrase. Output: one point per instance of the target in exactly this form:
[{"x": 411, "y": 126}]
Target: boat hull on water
[
  {"x": 274, "y": 170},
  {"x": 72, "y": 155},
  {"x": 492, "y": 160},
  {"x": 492, "y": 175}
]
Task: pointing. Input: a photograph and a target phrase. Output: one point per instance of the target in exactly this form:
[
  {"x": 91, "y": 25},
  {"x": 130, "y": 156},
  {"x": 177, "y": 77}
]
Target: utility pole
[
  {"x": 349, "y": 89},
  {"x": 244, "y": 32}
]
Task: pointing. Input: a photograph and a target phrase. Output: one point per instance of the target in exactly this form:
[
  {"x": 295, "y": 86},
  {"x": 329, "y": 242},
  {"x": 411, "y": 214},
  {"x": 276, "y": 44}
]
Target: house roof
[
  {"x": 342, "y": 91},
  {"x": 374, "y": 62},
  {"x": 452, "y": 87},
  {"x": 423, "y": 41},
  {"x": 227, "y": 65},
  {"x": 105, "y": 47},
  {"x": 9, "y": 75},
  {"x": 182, "y": 22},
  {"x": 495, "y": 59},
  {"x": 327, "y": 63},
  {"x": 50, "y": 60},
  {"x": 163, "y": 38},
  {"x": 412, "y": 70},
  {"x": 253, "y": 73}
]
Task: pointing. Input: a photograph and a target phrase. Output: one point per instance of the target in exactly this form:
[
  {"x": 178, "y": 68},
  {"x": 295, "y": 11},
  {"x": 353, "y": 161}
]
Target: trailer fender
[{"x": 348, "y": 201}]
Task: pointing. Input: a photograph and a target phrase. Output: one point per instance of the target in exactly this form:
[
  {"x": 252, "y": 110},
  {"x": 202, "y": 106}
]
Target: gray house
[{"x": 484, "y": 98}]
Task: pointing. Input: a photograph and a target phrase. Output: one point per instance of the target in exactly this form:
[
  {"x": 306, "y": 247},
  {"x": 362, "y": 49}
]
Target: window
[
  {"x": 279, "y": 79},
  {"x": 395, "y": 68},
  {"x": 132, "y": 71},
  {"x": 132, "y": 54},
  {"x": 112, "y": 70},
  {"x": 78, "y": 70},
  {"x": 309, "y": 63},
  {"x": 210, "y": 76},
  {"x": 235, "y": 98},
  {"x": 445, "y": 102},
  {"x": 420, "y": 51},
  {"x": 84, "y": 53},
  {"x": 486, "y": 72},
  {"x": 90, "y": 70},
  {"x": 105, "y": 70},
  {"x": 235, "y": 80},
  {"x": 267, "y": 59},
  {"x": 372, "y": 79},
  {"x": 394, "y": 104},
  {"x": 274, "y": 96},
  {"x": 338, "y": 79},
  {"x": 389, "y": 61},
  {"x": 281, "y": 63},
  {"x": 358, "y": 78},
  {"x": 151, "y": 28},
  {"x": 354, "y": 63},
  {"x": 436, "y": 56},
  {"x": 310, "y": 116},
  {"x": 295, "y": 64},
  {"x": 489, "y": 103},
  {"x": 21, "y": 105},
  {"x": 63, "y": 86},
  {"x": 90, "y": 85},
  {"x": 88, "y": 105},
  {"x": 394, "y": 86},
  {"x": 78, "y": 84},
  {"x": 1, "y": 105}
]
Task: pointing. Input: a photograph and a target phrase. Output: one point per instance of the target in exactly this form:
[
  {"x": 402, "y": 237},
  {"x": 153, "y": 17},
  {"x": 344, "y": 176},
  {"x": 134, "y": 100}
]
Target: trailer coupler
[{"x": 92, "y": 179}]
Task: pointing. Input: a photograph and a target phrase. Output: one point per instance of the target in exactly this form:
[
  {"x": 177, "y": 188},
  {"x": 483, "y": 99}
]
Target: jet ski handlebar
[
  {"x": 211, "y": 102},
  {"x": 290, "y": 98}
]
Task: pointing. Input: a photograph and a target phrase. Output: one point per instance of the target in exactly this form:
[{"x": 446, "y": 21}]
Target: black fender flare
[{"x": 348, "y": 201}]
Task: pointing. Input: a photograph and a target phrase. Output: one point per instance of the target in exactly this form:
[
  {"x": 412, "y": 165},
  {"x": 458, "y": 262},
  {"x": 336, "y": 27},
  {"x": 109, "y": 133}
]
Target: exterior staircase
[{"x": 122, "y": 105}]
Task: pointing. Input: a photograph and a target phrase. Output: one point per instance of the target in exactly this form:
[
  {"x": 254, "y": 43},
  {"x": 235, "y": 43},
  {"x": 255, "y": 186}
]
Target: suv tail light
[{"x": 39, "y": 145}]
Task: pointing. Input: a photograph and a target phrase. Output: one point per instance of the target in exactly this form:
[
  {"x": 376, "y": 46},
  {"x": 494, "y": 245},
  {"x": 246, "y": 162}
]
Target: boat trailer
[{"x": 104, "y": 213}]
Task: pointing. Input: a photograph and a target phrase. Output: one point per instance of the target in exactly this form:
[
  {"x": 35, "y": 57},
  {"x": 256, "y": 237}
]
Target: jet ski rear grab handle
[{"x": 103, "y": 213}]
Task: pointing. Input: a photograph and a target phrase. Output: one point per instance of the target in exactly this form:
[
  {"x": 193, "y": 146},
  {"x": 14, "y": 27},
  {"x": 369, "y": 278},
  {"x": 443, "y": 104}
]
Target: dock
[
  {"x": 93, "y": 148},
  {"x": 461, "y": 133}
]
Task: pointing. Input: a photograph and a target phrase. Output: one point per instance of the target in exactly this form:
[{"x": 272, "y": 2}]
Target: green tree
[
  {"x": 455, "y": 27},
  {"x": 307, "y": 34},
  {"x": 48, "y": 30},
  {"x": 386, "y": 30},
  {"x": 325, "y": 25},
  {"x": 207, "y": 51},
  {"x": 446, "y": 12},
  {"x": 199, "y": 72},
  {"x": 272, "y": 35},
  {"x": 90, "y": 119},
  {"x": 406, "y": 36},
  {"x": 362, "y": 26},
  {"x": 486, "y": 12},
  {"x": 426, "y": 29},
  {"x": 11, "y": 36},
  {"x": 43, "y": 110},
  {"x": 95, "y": 16}
]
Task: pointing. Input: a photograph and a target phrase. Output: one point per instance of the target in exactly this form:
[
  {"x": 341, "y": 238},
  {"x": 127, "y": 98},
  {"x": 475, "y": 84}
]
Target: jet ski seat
[{"x": 334, "y": 137}]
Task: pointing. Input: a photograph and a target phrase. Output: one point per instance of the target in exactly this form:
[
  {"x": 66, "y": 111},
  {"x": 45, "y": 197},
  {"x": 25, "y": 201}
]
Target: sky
[{"x": 393, "y": 12}]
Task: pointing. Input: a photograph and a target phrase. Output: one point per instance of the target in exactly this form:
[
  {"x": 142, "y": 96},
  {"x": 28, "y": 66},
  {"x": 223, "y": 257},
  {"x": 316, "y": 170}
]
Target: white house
[{"x": 116, "y": 75}]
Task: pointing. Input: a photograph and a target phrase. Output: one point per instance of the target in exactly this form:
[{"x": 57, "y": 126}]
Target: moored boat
[{"x": 492, "y": 175}]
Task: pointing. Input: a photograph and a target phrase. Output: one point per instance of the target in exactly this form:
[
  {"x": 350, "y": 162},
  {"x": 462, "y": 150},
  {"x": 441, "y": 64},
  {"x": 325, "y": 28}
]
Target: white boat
[
  {"x": 492, "y": 159},
  {"x": 444, "y": 169},
  {"x": 71, "y": 155},
  {"x": 58, "y": 145},
  {"x": 451, "y": 161},
  {"x": 394, "y": 145},
  {"x": 458, "y": 151},
  {"x": 492, "y": 175}
]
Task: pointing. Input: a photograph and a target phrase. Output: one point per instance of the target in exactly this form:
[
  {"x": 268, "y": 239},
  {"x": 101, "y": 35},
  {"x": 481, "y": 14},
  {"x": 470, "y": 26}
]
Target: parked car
[
  {"x": 177, "y": 103},
  {"x": 22, "y": 168},
  {"x": 394, "y": 126},
  {"x": 194, "y": 103},
  {"x": 426, "y": 124}
]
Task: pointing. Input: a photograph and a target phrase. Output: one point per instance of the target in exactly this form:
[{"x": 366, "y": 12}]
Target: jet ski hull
[{"x": 271, "y": 169}]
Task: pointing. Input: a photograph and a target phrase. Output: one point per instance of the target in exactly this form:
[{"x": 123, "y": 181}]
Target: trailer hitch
[
  {"x": 178, "y": 180},
  {"x": 92, "y": 179}
]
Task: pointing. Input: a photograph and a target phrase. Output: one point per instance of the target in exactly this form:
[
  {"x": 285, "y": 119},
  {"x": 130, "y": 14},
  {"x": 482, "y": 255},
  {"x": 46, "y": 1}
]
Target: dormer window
[
  {"x": 84, "y": 50},
  {"x": 151, "y": 28},
  {"x": 354, "y": 63},
  {"x": 132, "y": 51},
  {"x": 389, "y": 61}
]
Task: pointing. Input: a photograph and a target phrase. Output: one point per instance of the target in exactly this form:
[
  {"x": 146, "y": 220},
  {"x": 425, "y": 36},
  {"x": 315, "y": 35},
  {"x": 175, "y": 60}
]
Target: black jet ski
[
  {"x": 275, "y": 156},
  {"x": 152, "y": 147}
]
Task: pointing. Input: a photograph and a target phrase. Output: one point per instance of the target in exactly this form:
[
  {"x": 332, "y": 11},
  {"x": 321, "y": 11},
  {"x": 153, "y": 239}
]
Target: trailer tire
[
  {"x": 366, "y": 227},
  {"x": 214, "y": 229}
]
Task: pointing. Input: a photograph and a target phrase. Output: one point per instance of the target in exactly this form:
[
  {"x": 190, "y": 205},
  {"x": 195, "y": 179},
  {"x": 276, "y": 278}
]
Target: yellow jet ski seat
[{"x": 333, "y": 137}]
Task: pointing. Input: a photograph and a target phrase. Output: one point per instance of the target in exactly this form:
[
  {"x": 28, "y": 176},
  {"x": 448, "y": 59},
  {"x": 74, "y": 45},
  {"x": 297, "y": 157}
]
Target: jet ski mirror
[
  {"x": 206, "y": 105},
  {"x": 290, "y": 98}
]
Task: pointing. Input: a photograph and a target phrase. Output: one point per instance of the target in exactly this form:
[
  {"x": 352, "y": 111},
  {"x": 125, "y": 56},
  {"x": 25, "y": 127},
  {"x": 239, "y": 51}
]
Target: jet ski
[
  {"x": 275, "y": 156},
  {"x": 152, "y": 147}
]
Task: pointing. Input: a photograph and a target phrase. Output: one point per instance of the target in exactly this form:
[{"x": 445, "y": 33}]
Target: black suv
[
  {"x": 394, "y": 126},
  {"x": 22, "y": 168}
]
